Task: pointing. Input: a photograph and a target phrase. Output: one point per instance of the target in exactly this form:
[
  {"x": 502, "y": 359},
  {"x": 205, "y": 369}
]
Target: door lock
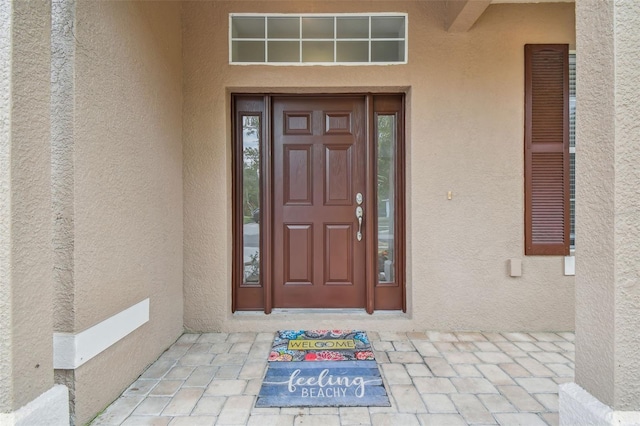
[{"x": 359, "y": 214}]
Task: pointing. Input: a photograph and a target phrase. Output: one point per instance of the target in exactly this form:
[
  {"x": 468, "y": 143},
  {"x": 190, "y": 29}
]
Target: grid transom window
[{"x": 318, "y": 39}]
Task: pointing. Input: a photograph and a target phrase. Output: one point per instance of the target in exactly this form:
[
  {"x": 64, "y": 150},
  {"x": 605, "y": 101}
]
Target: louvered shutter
[{"x": 546, "y": 149}]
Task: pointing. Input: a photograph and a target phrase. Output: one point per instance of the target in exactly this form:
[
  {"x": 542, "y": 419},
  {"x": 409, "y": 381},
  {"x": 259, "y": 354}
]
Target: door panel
[{"x": 318, "y": 167}]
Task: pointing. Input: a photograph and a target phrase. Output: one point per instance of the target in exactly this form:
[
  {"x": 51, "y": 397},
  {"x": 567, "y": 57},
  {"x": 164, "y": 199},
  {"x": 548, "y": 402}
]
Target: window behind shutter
[{"x": 546, "y": 149}]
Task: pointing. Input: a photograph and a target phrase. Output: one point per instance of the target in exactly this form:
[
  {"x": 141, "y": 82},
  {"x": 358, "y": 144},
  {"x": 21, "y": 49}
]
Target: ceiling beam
[{"x": 462, "y": 14}]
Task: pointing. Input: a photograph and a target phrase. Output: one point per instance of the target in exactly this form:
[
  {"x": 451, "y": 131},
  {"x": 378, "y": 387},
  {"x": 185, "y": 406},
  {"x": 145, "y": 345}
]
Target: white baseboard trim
[
  {"x": 70, "y": 351},
  {"x": 49, "y": 409},
  {"x": 579, "y": 407}
]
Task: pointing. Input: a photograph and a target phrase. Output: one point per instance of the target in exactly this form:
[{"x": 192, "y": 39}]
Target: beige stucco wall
[
  {"x": 464, "y": 134},
  {"x": 608, "y": 223},
  {"x": 126, "y": 182},
  {"x": 25, "y": 205}
]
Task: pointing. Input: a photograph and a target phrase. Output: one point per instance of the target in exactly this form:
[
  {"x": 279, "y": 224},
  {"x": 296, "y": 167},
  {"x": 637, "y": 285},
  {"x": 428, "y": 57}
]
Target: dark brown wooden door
[{"x": 318, "y": 170}]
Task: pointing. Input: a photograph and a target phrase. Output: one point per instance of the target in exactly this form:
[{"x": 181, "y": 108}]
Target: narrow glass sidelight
[
  {"x": 386, "y": 172},
  {"x": 251, "y": 198}
]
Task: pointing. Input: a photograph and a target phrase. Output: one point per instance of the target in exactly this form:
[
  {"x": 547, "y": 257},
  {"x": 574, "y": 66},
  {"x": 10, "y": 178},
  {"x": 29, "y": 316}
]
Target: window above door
[{"x": 318, "y": 39}]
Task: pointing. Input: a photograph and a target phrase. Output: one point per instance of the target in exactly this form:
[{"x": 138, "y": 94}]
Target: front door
[{"x": 319, "y": 159}]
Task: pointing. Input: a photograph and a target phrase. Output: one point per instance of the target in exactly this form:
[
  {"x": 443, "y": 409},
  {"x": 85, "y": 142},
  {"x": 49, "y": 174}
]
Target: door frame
[{"x": 258, "y": 296}]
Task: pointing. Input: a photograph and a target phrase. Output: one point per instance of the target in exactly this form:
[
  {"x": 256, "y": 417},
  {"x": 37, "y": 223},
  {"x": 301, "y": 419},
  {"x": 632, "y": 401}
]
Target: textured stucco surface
[
  {"x": 464, "y": 134},
  {"x": 119, "y": 193},
  {"x": 25, "y": 231},
  {"x": 607, "y": 277}
]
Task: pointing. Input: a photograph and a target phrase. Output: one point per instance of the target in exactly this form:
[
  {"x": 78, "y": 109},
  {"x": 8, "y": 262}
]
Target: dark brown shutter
[{"x": 546, "y": 149}]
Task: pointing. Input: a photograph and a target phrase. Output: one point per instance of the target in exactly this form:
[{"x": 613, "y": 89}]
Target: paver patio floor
[{"x": 433, "y": 378}]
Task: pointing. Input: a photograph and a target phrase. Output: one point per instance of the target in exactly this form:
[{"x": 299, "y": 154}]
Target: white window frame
[{"x": 266, "y": 39}]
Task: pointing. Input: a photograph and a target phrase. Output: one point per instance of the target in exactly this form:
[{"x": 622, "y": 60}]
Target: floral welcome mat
[
  {"x": 303, "y": 371},
  {"x": 321, "y": 345}
]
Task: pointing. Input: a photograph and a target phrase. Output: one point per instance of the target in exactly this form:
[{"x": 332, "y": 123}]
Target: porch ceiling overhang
[{"x": 461, "y": 15}]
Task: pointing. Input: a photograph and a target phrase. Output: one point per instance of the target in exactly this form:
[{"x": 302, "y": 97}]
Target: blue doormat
[{"x": 316, "y": 382}]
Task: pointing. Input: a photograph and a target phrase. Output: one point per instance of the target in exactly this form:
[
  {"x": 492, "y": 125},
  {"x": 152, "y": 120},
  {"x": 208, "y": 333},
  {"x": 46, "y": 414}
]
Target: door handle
[{"x": 359, "y": 215}]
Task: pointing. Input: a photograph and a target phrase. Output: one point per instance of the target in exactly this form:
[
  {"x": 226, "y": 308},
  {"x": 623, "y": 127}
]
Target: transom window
[{"x": 318, "y": 39}]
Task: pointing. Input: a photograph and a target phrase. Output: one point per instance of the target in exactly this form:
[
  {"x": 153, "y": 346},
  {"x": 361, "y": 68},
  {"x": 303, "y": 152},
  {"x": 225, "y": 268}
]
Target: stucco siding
[{"x": 465, "y": 121}]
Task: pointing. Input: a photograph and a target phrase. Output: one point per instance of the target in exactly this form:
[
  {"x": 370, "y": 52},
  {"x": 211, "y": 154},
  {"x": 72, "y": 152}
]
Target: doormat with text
[
  {"x": 293, "y": 381},
  {"x": 321, "y": 345}
]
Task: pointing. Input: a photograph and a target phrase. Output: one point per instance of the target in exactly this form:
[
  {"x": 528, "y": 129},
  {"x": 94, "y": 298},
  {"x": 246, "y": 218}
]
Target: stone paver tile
[
  {"x": 373, "y": 335},
  {"x": 152, "y": 406},
  {"x": 549, "y": 400},
  {"x": 520, "y": 398},
  {"x": 418, "y": 370},
  {"x": 439, "y": 336},
  {"x": 445, "y": 347},
  {"x": 317, "y": 420},
  {"x": 395, "y": 374},
  {"x": 201, "y": 376},
  {"x": 253, "y": 387},
  {"x": 157, "y": 370},
  {"x": 403, "y": 346},
  {"x": 494, "y": 357},
  {"x": 466, "y": 370},
  {"x": 244, "y": 336},
  {"x": 417, "y": 335},
  {"x": 426, "y": 348},
  {"x": 561, "y": 380},
  {"x": 461, "y": 358},
  {"x": 323, "y": 410},
  {"x": 183, "y": 402},
  {"x": 534, "y": 367},
  {"x": 511, "y": 349},
  {"x": 486, "y": 347},
  {"x": 394, "y": 419},
  {"x": 179, "y": 373},
  {"x": 391, "y": 336},
  {"x": 212, "y": 337},
  {"x": 404, "y": 357},
  {"x": 549, "y": 357},
  {"x": 538, "y": 384},
  {"x": 408, "y": 400},
  {"x": 174, "y": 353},
  {"x": 140, "y": 387},
  {"x": 265, "y": 337},
  {"x": 518, "y": 337},
  {"x": 495, "y": 337},
  {"x": 226, "y": 359},
  {"x": 440, "y": 367},
  {"x": 472, "y": 409},
  {"x": 495, "y": 374},
  {"x": 465, "y": 346},
  {"x": 438, "y": 403},
  {"x": 515, "y": 370},
  {"x": 118, "y": 411},
  {"x": 570, "y": 355},
  {"x": 228, "y": 372},
  {"x": 528, "y": 346},
  {"x": 470, "y": 337},
  {"x": 236, "y": 410},
  {"x": 226, "y": 387},
  {"x": 552, "y": 419},
  {"x": 193, "y": 421},
  {"x": 199, "y": 348},
  {"x": 252, "y": 370},
  {"x": 381, "y": 357},
  {"x": 196, "y": 359},
  {"x": 546, "y": 337},
  {"x": 434, "y": 385},
  {"x": 271, "y": 420},
  {"x": 264, "y": 411},
  {"x": 442, "y": 420},
  {"x": 497, "y": 403},
  {"x": 220, "y": 348},
  {"x": 380, "y": 345},
  {"x": 259, "y": 351},
  {"x": 209, "y": 406},
  {"x": 188, "y": 338},
  {"x": 519, "y": 419},
  {"x": 354, "y": 416},
  {"x": 549, "y": 346},
  {"x": 296, "y": 411},
  {"x": 570, "y": 337},
  {"x": 166, "y": 388},
  {"x": 146, "y": 421},
  {"x": 240, "y": 348},
  {"x": 566, "y": 346},
  {"x": 561, "y": 370},
  {"x": 473, "y": 385}
]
